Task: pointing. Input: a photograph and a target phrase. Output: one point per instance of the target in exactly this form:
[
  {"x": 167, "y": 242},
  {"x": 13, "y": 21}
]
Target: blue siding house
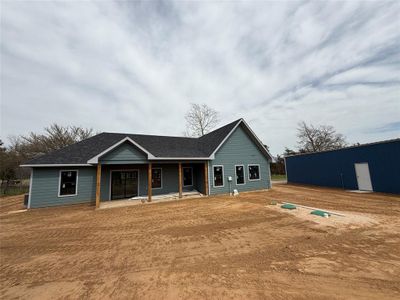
[
  {"x": 369, "y": 167},
  {"x": 113, "y": 166}
]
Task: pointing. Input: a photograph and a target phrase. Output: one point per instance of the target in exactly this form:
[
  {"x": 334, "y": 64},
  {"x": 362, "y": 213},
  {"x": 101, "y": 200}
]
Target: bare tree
[
  {"x": 54, "y": 137},
  {"x": 200, "y": 119},
  {"x": 288, "y": 151},
  {"x": 318, "y": 138}
]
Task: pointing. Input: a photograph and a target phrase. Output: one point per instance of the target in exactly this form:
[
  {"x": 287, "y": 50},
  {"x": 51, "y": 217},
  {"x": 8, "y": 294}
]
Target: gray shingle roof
[{"x": 158, "y": 146}]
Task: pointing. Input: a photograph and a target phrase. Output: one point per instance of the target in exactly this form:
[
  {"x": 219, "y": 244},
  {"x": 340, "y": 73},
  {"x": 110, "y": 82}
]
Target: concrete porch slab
[{"x": 142, "y": 200}]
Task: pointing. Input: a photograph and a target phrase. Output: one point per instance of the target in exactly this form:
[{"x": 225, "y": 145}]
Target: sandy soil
[
  {"x": 11, "y": 204},
  {"x": 217, "y": 247}
]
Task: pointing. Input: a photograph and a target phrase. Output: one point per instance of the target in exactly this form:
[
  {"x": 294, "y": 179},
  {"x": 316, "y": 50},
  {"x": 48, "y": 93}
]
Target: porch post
[
  {"x": 180, "y": 179},
  {"x": 98, "y": 184},
  {"x": 149, "y": 184},
  {"x": 206, "y": 178}
]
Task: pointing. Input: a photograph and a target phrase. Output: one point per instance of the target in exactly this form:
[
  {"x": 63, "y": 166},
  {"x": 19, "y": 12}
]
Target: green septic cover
[
  {"x": 320, "y": 213},
  {"x": 288, "y": 206}
]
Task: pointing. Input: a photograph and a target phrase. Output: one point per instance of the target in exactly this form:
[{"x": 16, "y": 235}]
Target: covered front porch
[
  {"x": 168, "y": 180},
  {"x": 155, "y": 199}
]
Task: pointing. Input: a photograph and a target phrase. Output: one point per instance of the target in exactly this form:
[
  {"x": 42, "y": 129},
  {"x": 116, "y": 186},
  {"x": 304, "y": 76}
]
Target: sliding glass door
[{"x": 124, "y": 184}]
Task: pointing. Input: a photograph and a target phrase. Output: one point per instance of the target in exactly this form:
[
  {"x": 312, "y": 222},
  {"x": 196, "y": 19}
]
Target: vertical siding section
[
  {"x": 336, "y": 168},
  {"x": 239, "y": 149},
  {"x": 44, "y": 188}
]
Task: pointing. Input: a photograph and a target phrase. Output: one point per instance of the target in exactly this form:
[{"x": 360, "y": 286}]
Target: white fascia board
[
  {"x": 181, "y": 158},
  {"x": 258, "y": 140},
  {"x": 54, "y": 165},
  {"x": 95, "y": 159}
]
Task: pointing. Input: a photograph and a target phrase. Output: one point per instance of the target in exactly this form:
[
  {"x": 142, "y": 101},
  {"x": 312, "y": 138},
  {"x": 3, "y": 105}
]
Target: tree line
[
  {"x": 25, "y": 147},
  {"x": 310, "y": 138}
]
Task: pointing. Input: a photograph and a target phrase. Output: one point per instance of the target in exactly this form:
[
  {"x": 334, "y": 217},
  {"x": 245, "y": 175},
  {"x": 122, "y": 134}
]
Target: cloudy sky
[{"x": 136, "y": 66}]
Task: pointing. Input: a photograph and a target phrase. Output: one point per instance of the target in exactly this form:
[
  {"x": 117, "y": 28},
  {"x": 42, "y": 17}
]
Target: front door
[
  {"x": 363, "y": 178},
  {"x": 187, "y": 176},
  {"x": 124, "y": 184}
]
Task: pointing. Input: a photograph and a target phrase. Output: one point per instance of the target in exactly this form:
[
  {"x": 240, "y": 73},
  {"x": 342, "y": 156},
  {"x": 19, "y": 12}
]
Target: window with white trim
[
  {"x": 68, "y": 183},
  {"x": 156, "y": 178},
  {"x": 254, "y": 172},
  {"x": 239, "y": 170},
  {"x": 218, "y": 176}
]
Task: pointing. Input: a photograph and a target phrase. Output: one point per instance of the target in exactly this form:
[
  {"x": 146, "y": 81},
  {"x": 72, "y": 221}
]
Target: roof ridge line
[
  {"x": 155, "y": 135},
  {"x": 236, "y": 121}
]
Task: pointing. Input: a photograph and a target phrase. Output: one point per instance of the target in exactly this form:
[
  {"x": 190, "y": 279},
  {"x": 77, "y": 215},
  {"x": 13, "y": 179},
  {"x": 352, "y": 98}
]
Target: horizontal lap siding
[
  {"x": 239, "y": 149},
  {"x": 170, "y": 179},
  {"x": 124, "y": 153},
  {"x": 44, "y": 191}
]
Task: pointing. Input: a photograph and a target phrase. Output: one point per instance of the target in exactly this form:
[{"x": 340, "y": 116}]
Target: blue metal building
[{"x": 374, "y": 167}]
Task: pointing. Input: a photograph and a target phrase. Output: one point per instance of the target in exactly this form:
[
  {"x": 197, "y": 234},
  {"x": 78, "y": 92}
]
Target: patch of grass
[{"x": 278, "y": 177}]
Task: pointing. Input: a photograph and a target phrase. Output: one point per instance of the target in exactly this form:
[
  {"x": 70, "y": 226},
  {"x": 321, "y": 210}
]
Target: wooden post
[
  {"x": 180, "y": 179},
  {"x": 98, "y": 184},
  {"x": 149, "y": 184},
  {"x": 206, "y": 178}
]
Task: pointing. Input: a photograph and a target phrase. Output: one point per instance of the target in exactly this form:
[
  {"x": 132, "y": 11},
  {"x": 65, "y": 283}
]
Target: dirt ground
[{"x": 217, "y": 247}]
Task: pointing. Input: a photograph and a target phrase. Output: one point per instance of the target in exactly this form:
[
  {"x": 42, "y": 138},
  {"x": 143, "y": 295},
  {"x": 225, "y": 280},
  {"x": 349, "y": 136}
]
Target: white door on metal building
[{"x": 363, "y": 178}]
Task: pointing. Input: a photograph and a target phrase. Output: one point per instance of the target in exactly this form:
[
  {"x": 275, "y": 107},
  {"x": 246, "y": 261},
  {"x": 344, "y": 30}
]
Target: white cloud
[{"x": 135, "y": 66}]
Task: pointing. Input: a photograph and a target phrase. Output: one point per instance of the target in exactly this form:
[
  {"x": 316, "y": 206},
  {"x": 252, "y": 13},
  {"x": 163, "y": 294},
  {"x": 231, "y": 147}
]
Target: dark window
[
  {"x": 68, "y": 183},
  {"x": 156, "y": 178},
  {"x": 218, "y": 176},
  {"x": 124, "y": 184},
  {"x": 254, "y": 172},
  {"x": 239, "y": 175},
  {"x": 187, "y": 176}
]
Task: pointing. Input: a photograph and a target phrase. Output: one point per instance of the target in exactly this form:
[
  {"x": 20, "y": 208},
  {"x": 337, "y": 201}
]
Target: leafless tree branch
[
  {"x": 318, "y": 138},
  {"x": 200, "y": 119}
]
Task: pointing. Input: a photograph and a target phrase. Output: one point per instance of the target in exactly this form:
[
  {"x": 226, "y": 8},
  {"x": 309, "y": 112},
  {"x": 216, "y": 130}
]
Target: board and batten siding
[
  {"x": 45, "y": 185},
  {"x": 239, "y": 149}
]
